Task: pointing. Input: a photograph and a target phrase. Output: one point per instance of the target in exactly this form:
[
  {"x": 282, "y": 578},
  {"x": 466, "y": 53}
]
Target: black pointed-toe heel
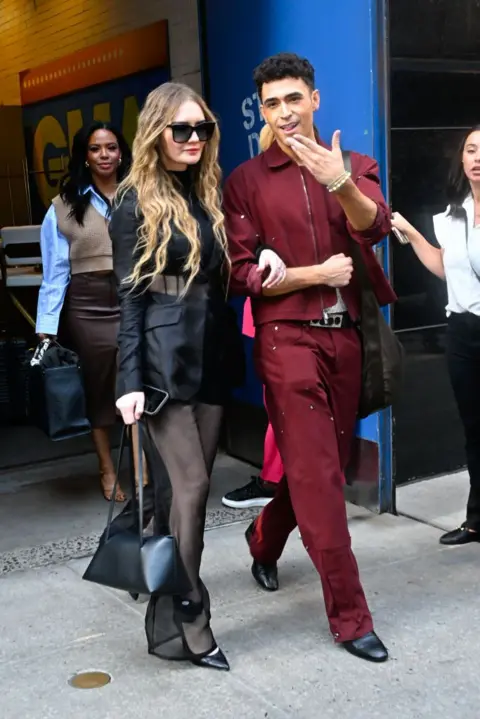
[
  {"x": 209, "y": 660},
  {"x": 212, "y": 661}
]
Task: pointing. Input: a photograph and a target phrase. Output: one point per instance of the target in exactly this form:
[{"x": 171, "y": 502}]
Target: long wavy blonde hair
[{"x": 160, "y": 202}]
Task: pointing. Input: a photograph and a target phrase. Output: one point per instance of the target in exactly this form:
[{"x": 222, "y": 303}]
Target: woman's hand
[
  {"x": 430, "y": 256},
  {"x": 131, "y": 406},
  {"x": 269, "y": 260},
  {"x": 401, "y": 223},
  {"x": 42, "y": 337}
]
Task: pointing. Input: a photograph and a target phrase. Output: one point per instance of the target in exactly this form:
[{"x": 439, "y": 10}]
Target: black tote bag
[
  {"x": 382, "y": 352},
  {"x": 129, "y": 561},
  {"x": 56, "y": 396}
]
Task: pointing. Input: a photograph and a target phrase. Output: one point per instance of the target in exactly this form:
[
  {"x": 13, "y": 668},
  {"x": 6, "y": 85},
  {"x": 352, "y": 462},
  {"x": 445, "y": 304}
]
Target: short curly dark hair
[{"x": 282, "y": 65}]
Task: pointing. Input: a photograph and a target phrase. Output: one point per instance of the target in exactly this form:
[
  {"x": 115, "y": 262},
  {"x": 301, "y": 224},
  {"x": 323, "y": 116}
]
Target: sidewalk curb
[{"x": 63, "y": 550}]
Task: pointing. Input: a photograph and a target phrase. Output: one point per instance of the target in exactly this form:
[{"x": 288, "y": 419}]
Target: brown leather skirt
[{"x": 90, "y": 323}]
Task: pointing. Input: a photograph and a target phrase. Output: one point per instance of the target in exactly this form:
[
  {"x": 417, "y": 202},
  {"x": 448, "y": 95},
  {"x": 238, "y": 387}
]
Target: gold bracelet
[{"x": 339, "y": 182}]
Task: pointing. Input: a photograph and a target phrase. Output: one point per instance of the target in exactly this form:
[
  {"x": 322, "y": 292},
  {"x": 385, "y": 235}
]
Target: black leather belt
[{"x": 334, "y": 321}]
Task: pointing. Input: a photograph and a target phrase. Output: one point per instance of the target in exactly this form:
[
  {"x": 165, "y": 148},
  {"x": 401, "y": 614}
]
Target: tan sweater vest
[{"x": 90, "y": 244}]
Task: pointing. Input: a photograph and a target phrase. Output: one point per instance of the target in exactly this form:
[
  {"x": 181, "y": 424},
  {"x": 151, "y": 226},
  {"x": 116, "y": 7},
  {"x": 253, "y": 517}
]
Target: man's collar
[{"x": 276, "y": 157}]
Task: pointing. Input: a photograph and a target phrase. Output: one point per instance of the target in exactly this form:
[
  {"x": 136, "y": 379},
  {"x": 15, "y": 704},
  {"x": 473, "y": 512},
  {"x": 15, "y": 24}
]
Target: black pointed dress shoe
[
  {"x": 266, "y": 575},
  {"x": 368, "y": 647},
  {"x": 459, "y": 536},
  {"x": 213, "y": 661}
]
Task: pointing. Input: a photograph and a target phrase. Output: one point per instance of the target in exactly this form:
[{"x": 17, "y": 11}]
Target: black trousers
[{"x": 463, "y": 357}]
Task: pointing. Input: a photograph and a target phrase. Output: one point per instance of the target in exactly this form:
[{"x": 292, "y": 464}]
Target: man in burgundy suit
[{"x": 298, "y": 199}]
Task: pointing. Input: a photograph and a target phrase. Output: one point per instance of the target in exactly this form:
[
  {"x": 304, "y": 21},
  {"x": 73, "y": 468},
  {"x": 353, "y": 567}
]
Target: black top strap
[{"x": 357, "y": 257}]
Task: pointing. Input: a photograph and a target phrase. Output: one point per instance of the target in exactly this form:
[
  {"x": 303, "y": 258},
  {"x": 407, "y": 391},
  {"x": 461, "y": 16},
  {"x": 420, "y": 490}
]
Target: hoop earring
[
  {"x": 119, "y": 161},
  {"x": 86, "y": 164}
]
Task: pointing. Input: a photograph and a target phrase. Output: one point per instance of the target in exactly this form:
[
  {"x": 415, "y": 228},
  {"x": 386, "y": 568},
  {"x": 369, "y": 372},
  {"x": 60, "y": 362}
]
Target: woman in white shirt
[{"x": 457, "y": 261}]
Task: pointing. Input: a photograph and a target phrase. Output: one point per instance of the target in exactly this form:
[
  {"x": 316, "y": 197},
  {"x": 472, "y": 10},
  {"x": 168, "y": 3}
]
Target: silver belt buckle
[
  {"x": 337, "y": 318},
  {"x": 333, "y": 320}
]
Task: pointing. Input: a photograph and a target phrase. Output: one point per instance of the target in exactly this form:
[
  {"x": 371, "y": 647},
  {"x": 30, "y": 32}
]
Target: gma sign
[{"x": 107, "y": 82}]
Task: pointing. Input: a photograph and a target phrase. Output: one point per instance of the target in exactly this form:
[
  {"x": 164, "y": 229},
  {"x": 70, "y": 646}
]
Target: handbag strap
[
  {"x": 161, "y": 484},
  {"x": 359, "y": 263},
  {"x": 123, "y": 441},
  {"x": 137, "y": 505},
  {"x": 127, "y": 436}
]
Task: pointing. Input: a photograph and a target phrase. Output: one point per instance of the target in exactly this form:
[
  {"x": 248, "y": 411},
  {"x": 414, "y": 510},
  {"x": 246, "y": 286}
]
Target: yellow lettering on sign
[
  {"x": 101, "y": 112},
  {"x": 130, "y": 117},
  {"x": 48, "y": 132},
  {"x": 74, "y": 124}
]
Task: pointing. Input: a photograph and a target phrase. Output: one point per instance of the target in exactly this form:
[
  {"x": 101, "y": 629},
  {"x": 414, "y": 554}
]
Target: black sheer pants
[{"x": 186, "y": 439}]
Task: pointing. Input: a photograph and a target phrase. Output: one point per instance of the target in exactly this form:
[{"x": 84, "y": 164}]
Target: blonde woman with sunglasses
[{"x": 177, "y": 338}]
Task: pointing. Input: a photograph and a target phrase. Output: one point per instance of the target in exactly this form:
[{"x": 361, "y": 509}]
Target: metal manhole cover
[{"x": 90, "y": 680}]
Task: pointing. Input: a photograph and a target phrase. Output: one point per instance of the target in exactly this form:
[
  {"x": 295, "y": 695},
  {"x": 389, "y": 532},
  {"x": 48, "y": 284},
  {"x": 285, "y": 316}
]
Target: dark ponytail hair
[
  {"x": 79, "y": 177},
  {"x": 458, "y": 186}
]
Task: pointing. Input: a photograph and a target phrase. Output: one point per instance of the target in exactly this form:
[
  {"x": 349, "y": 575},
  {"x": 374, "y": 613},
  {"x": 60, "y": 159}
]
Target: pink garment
[
  {"x": 248, "y": 328},
  {"x": 272, "y": 470}
]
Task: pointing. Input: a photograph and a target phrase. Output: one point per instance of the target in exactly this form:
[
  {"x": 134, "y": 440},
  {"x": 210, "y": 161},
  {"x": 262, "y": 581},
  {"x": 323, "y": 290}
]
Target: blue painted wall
[{"x": 337, "y": 37}]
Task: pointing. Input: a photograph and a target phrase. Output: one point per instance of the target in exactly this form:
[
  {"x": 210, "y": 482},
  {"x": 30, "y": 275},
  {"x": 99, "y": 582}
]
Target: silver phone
[
  {"x": 155, "y": 399},
  {"x": 401, "y": 236}
]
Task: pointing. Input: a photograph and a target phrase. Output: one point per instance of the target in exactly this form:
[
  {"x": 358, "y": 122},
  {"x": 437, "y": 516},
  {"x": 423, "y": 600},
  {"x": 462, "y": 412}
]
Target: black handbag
[
  {"x": 56, "y": 395},
  {"x": 129, "y": 561},
  {"x": 382, "y": 352}
]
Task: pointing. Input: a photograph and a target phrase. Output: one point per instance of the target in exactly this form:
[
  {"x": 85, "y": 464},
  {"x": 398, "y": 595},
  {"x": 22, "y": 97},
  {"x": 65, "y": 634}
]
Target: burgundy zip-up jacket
[{"x": 271, "y": 201}]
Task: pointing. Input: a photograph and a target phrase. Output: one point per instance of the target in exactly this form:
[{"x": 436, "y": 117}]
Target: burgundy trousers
[{"x": 312, "y": 379}]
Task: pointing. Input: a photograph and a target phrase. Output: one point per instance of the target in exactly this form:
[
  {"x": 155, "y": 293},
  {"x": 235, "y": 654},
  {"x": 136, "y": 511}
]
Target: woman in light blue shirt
[{"x": 78, "y": 292}]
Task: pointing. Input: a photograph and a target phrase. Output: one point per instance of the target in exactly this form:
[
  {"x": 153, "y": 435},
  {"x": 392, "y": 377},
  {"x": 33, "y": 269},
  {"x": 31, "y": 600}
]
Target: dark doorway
[{"x": 434, "y": 82}]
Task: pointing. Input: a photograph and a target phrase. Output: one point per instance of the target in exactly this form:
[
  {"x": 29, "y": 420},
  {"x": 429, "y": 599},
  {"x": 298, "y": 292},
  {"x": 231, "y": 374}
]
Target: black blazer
[{"x": 164, "y": 339}]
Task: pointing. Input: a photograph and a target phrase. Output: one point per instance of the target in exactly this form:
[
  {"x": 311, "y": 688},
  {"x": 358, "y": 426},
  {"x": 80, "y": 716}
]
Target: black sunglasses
[{"x": 183, "y": 131}]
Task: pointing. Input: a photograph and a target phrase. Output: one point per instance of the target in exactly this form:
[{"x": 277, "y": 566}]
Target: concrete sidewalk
[
  {"x": 284, "y": 664},
  {"x": 55, "y": 511},
  {"x": 440, "y": 502}
]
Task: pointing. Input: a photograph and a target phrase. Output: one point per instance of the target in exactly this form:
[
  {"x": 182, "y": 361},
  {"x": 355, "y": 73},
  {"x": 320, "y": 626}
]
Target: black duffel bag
[{"x": 56, "y": 396}]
